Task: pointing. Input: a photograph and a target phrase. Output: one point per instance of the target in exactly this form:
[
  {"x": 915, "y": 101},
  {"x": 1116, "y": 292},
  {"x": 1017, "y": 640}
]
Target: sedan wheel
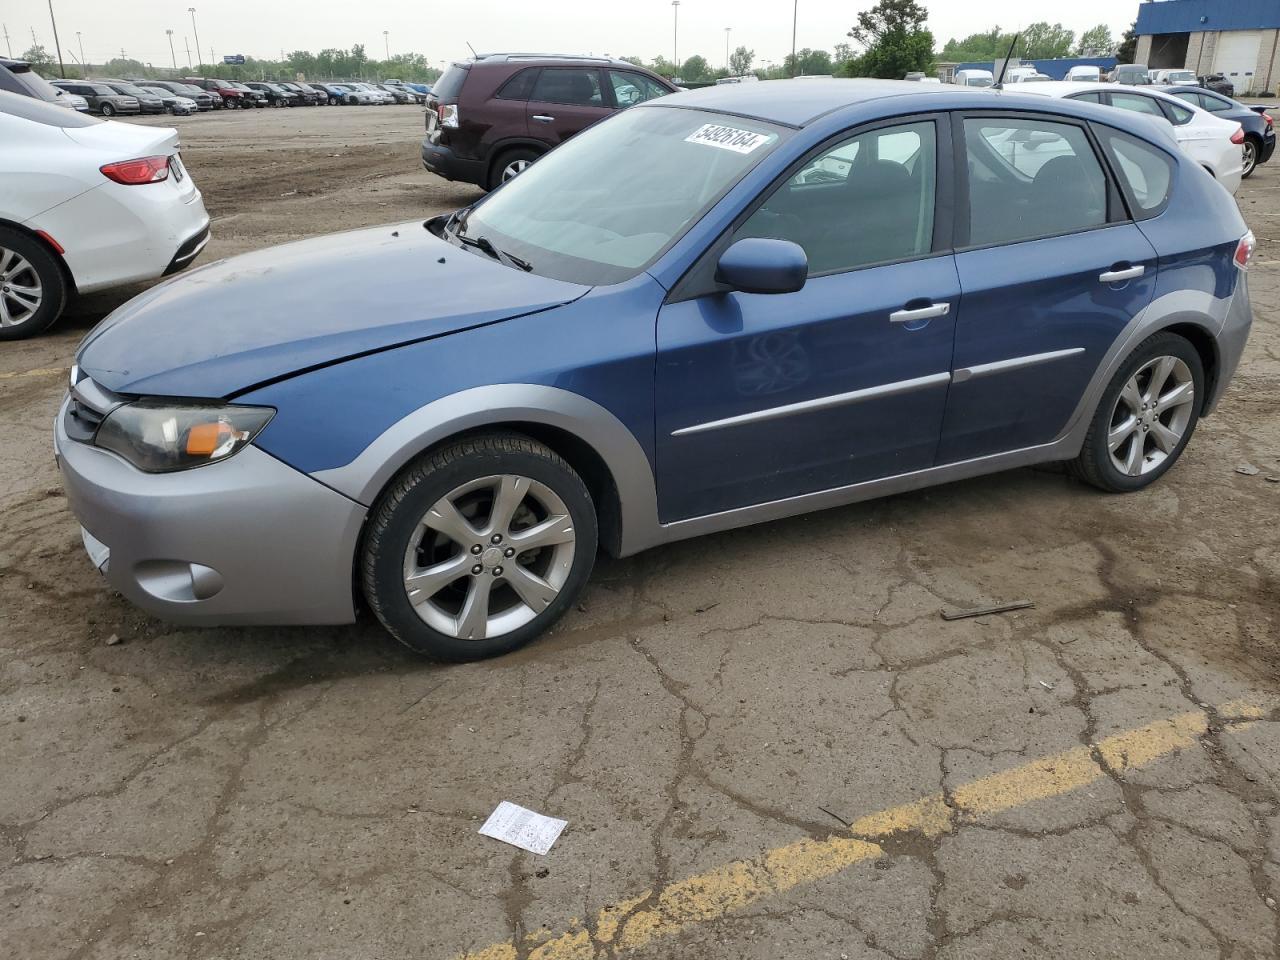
[
  {"x": 1250, "y": 157},
  {"x": 32, "y": 288},
  {"x": 1146, "y": 416},
  {"x": 478, "y": 548}
]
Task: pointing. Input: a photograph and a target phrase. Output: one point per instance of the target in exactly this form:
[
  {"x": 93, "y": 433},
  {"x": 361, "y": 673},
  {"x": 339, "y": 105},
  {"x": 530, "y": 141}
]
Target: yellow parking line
[
  {"x": 654, "y": 915},
  {"x": 41, "y": 372}
]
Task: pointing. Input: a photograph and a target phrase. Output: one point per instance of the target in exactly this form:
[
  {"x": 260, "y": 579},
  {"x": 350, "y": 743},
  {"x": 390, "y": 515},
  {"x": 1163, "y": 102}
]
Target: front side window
[
  {"x": 866, "y": 200},
  {"x": 1137, "y": 103},
  {"x": 1031, "y": 178},
  {"x": 1145, "y": 172},
  {"x": 603, "y": 206},
  {"x": 569, "y": 86},
  {"x": 631, "y": 88}
]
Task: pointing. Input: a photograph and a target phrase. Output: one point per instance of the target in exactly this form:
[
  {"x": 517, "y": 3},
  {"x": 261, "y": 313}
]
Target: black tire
[
  {"x": 1251, "y": 150},
  {"x": 333, "y": 101},
  {"x": 1094, "y": 465},
  {"x": 53, "y": 284},
  {"x": 402, "y": 505},
  {"x": 505, "y": 159},
  {"x": 107, "y": 110}
]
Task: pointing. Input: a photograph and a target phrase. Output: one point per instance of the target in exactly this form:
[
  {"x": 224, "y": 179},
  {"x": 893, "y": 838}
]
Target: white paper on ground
[{"x": 523, "y": 828}]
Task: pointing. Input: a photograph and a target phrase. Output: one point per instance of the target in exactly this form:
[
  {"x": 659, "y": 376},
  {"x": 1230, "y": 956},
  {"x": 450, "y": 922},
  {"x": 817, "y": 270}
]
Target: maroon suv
[
  {"x": 489, "y": 118},
  {"x": 231, "y": 97}
]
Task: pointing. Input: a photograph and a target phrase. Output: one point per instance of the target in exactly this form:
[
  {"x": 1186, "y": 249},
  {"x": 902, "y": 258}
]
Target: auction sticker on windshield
[{"x": 728, "y": 138}]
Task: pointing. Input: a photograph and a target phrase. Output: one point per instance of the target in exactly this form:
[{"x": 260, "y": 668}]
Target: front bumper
[
  {"x": 245, "y": 541},
  {"x": 442, "y": 161}
]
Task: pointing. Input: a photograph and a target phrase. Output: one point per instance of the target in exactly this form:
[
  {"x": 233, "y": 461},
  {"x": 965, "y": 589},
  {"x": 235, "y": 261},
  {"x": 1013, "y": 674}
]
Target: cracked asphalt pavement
[{"x": 767, "y": 743}]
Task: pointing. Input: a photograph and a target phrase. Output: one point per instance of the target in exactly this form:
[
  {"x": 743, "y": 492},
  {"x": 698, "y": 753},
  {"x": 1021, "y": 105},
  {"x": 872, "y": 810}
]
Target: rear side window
[
  {"x": 631, "y": 88},
  {"x": 1031, "y": 178},
  {"x": 450, "y": 83},
  {"x": 1137, "y": 103},
  {"x": 1087, "y": 97},
  {"x": 1146, "y": 173},
  {"x": 518, "y": 87},
  {"x": 569, "y": 86}
]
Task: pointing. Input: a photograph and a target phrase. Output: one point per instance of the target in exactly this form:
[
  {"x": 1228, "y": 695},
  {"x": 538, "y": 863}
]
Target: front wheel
[
  {"x": 108, "y": 110},
  {"x": 479, "y": 547},
  {"x": 1249, "y": 157},
  {"x": 1146, "y": 416},
  {"x": 32, "y": 287}
]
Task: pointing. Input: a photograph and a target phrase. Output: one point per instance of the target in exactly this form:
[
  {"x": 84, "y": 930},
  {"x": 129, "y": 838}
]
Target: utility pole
[
  {"x": 6, "y": 39},
  {"x": 795, "y": 13},
  {"x": 386, "y": 44},
  {"x": 675, "y": 35},
  {"x": 56, "y": 45},
  {"x": 726, "y": 48},
  {"x": 172, "y": 55},
  {"x": 192, "y": 11},
  {"x": 190, "y": 66},
  {"x": 83, "y": 66}
]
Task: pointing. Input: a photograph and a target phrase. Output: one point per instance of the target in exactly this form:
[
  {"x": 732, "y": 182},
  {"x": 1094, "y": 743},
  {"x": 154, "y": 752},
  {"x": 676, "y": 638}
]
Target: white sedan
[
  {"x": 1214, "y": 143},
  {"x": 86, "y": 204}
]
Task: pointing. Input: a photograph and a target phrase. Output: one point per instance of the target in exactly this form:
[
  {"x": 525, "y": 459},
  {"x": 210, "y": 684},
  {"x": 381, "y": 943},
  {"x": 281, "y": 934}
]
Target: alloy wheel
[
  {"x": 21, "y": 292},
  {"x": 1151, "y": 415},
  {"x": 489, "y": 556},
  {"x": 514, "y": 168},
  {"x": 1250, "y": 157}
]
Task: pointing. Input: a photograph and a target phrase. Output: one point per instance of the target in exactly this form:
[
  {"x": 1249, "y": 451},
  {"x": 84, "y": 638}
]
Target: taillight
[
  {"x": 1267, "y": 117},
  {"x": 1238, "y": 136},
  {"x": 449, "y": 115},
  {"x": 1244, "y": 250},
  {"x": 144, "y": 170}
]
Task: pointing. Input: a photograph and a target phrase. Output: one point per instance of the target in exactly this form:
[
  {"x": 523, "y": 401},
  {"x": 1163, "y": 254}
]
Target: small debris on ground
[
  {"x": 1272, "y": 479},
  {"x": 1248, "y": 469},
  {"x": 113, "y": 640},
  {"x": 1045, "y": 684},
  {"x": 521, "y": 827},
  {"x": 709, "y": 606},
  {"x": 836, "y": 816},
  {"x": 983, "y": 611}
]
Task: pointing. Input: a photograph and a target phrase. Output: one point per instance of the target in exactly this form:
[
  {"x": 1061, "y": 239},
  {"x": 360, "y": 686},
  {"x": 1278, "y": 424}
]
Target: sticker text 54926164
[{"x": 727, "y": 138}]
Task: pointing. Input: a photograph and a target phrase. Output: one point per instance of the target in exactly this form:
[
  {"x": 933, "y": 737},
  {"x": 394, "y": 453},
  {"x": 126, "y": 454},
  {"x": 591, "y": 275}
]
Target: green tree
[
  {"x": 977, "y": 47},
  {"x": 638, "y": 61},
  {"x": 740, "y": 61},
  {"x": 1095, "y": 42},
  {"x": 695, "y": 68},
  {"x": 896, "y": 39},
  {"x": 126, "y": 67},
  {"x": 39, "y": 58},
  {"x": 1043, "y": 41},
  {"x": 807, "y": 63},
  {"x": 1128, "y": 48}
]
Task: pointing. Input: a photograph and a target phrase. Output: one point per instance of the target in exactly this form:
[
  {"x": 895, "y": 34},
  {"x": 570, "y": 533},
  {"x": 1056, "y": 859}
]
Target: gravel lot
[{"x": 1097, "y": 776}]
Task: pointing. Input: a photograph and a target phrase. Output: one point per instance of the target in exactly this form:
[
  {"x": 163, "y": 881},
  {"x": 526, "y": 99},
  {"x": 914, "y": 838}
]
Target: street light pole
[
  {"x": 83, "y": 65},
  {"x": 795, "y": 13},
  {"x": 386, "y": 44},
  {"x": 675, "y": 36},
  {"x": 56, "y": 45},
  {"x": 188, "y": 45},
  {"x": 173, "y": 55},
  {"x": 192, "y": 11},
  {"x": 726, "y": 47}
]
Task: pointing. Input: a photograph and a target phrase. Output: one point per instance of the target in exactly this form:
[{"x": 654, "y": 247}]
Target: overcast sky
[{"x": 441, "y": 30}]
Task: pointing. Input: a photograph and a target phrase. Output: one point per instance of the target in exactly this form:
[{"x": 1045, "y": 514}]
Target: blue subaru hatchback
[{"x": 717, "y": 308}]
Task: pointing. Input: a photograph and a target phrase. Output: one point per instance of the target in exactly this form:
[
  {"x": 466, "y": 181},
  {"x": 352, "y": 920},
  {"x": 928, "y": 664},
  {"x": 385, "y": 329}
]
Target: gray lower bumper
[
  {"x": 1231, "y": 340},
  {"x": 248, "y": 541}
]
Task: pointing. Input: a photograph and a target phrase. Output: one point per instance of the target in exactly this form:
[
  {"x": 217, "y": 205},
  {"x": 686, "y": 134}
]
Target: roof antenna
[
  {"x": 999, "y": 84},
  {"x": 472, "y": 49}
]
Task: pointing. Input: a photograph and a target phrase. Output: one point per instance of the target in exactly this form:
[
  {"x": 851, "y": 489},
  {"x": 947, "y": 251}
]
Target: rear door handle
[
  {"x": 922, "y": 313},
  {"x": 1119, "y": 276},
  {"x": 543, "y": 117}
]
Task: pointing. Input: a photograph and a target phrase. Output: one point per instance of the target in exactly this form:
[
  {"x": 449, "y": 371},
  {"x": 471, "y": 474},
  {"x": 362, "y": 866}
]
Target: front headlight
[{"x": 162, "y": 436}]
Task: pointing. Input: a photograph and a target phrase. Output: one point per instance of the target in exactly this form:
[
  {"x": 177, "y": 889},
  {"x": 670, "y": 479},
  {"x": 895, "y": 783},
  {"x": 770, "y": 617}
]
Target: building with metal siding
[{"x": 1238, "y": 38}]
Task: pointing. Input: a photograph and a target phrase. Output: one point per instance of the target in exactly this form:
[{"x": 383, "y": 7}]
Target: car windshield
[
  {"x": 605, "y": 205},
  {"x": 130, "y": 90}
]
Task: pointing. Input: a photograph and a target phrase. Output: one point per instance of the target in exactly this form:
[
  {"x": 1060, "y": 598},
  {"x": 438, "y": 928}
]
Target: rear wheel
[
  {"x": 479, "y": 547},
  {"x": 108, "y": 110},
  {"x": 511, "y": 163},
  {"x": 1146, "y": 416},
  {"x": 1250, "y": 156},
  {"x": 32, "y": 287}
]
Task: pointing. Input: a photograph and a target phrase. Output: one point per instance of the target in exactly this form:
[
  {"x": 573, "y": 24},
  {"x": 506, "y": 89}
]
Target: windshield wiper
[{"x": 485, "y": 245}]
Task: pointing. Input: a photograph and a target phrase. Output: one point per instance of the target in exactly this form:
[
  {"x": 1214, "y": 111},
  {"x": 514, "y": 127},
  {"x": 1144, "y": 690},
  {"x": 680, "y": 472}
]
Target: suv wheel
[
  {"x": 32, "y": 287},
  {"x": 479, "y": 547},
  {"x": 1146, "y": 416},
  {"x": 108, "y": 110},
  {"x": 511, "y": 163}
]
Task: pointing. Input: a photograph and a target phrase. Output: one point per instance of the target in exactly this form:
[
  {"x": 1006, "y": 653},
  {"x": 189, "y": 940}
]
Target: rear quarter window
[
  {"x": 519, "y": 86},
  {"x": 1145, "y": 171}
]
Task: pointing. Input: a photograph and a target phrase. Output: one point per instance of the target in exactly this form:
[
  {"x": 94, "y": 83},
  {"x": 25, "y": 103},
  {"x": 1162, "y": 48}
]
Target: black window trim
[
  {"x": 1117, "y": 208},
  {"x": 699, "y": 280},
  {"x": 606, "y": 98},
  {"x": 525, "y": 71}
]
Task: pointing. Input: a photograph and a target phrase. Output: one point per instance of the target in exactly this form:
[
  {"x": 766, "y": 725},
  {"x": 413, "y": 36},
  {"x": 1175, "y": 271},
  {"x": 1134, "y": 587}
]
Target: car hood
[{"x": 238, "y": 323}]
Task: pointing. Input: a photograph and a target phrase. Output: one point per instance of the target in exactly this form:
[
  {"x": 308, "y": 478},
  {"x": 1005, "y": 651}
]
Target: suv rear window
[{"x": 450, "y": 83}]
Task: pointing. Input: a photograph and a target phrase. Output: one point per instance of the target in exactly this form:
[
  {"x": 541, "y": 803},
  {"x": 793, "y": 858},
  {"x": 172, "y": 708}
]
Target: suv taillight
[
  {"x": 1244, "y": 250},
  {"x": 449, "y": 115},
  {"x": 1238, "y": 137},
  {"x": 143, "y": 170}
]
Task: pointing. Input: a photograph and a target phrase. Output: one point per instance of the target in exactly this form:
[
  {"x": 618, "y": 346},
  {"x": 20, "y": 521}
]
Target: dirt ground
[{"x": 767, "y": 743}]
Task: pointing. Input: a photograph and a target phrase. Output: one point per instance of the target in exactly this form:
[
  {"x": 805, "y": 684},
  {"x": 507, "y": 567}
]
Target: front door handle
[
  {"x": 543, "y": 117},
  {"x": 922, "y": 313},
  {"x": 1119, "y": 276}
]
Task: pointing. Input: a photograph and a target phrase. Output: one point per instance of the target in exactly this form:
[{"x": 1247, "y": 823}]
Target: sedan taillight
[
  {"x": 1244, "y": 250},
  {"x": 143, "y": 170},
  {"x": 1238, "y": 136}
]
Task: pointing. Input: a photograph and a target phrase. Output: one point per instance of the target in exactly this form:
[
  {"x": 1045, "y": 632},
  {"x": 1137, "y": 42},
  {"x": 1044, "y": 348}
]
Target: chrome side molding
[{"x": 961, "y": 374}]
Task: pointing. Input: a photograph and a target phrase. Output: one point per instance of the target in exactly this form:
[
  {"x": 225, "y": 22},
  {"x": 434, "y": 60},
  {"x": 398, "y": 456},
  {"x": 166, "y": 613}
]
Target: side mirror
[{"x": 763, "y": 265}]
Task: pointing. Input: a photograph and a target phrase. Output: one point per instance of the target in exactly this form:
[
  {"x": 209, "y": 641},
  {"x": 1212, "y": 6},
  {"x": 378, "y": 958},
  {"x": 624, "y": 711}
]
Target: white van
[
  {"x": 975, "y": 78},
  {"x": 1181, "y": 78},
  {"x": 1085, "y": 74},
  {"x": 1018, "y": 74}
]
